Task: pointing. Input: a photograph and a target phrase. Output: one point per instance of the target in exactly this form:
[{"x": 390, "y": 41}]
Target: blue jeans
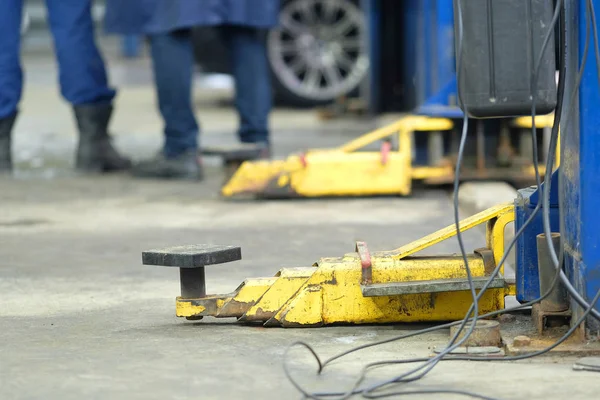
[
  {"x": 173, "y": 64},
  {"x": 82, "y": 73}
]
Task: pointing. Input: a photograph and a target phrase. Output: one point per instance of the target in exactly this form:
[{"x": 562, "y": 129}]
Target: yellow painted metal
[
  {"x": 228, "y": 305},
  {"x": 333, "y": 293},
  {"x": 432, "y": 172},
  {"x": 360, "y": 173},
  {"x": 345, "y": 170},
  {"x": 288, "y": 282},
  {"x": 541, "y": 121},
  {"x": 185, "y": 308},
  {"x": 510, "y": 290},
  {"x": 450, "y": 231},
  {"x": 350, "y": 170},
  {"x": 330, "y": 291},
  {"x": 495, "y": 233},
  {"x": 253, "y": 177},
  {"x": 410, "y": 123}
]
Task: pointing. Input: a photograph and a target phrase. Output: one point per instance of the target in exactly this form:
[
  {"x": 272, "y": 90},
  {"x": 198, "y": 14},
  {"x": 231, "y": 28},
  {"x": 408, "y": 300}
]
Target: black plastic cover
[{"x": 501, "y": 42}]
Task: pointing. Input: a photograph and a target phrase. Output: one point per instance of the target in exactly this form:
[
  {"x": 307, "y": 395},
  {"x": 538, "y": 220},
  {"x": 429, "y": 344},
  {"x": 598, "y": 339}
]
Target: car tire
[{"x": 317, "y": 52}]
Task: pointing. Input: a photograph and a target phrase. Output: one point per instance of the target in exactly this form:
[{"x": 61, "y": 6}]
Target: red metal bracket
[
  {"x": 386, "y": 147},
  {"x": 365, "y": 262},
  {"x": 303, "y": 159}
]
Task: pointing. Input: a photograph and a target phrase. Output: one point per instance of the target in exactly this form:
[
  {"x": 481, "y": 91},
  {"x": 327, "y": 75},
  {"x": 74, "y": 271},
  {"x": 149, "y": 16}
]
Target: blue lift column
[
  {"x": 580, "y": 165},
  {"x": 437, "y": 57}
]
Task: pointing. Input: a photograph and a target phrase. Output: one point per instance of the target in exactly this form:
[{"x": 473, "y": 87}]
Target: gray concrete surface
[
  {"x": 475, "y": 197},
  {"x": 81, "y": 318}
]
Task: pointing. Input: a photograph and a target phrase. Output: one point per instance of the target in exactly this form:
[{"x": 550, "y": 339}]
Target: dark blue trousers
[
  {"x": 82, "y": 74},
  {"x": 173, "y": 64}
]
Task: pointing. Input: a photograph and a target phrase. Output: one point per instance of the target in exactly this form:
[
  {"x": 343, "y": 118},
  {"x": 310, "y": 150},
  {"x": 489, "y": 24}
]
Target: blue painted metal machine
[
  {"x": 435, "y": 66},
  {"x": 574, "y": 211},
  {"x": 497, "y": 149},
  {"x": 526, "y": 258},
  {"x": 580, "y": 169}
]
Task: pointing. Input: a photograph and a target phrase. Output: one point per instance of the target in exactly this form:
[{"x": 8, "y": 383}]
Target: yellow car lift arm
[
  {"x": 354, "y": 170},
  {"x": 357, "y": 288},
  {"x": 345, "y": 170}
]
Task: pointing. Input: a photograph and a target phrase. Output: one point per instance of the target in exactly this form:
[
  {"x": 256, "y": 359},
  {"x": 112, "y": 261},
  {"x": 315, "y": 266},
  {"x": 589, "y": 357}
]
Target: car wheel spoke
[
  {"x": 351, "y": 44},
  {"x": 309, "y": 14},
  {"x": 286, "y": 47},
  {"x": 312, "y": 79},
  {"x": 344, "y": 61},
  {"x": 332, "y": 75},
  {"x": 329, "y": 9},
  {"x": 290, "y": 25},
  {"x": 343, "y": 26},
  {"x": 317, "y": 53},
  {"x": 297, "y": 65}
]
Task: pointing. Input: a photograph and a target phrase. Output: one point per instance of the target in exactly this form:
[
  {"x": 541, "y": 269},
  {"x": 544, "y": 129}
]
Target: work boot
[
  {"x": 184, "y": 166},
  {"x": 257, "y": 151},
  {"x": 6, "y": 125},
  {"x": 95, "y": 152},
  {"x": 265, "y": 151}
]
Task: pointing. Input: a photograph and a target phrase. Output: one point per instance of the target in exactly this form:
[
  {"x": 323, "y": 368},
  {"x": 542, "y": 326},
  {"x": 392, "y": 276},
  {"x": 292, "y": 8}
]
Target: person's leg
[
  {"x": 84, "y": 83},
  {"x": 172, "y": 61},
  {"x": 253, "y": 98},
  {"x": 11, "y": 78},
  {"x": 173, "y": 64}
]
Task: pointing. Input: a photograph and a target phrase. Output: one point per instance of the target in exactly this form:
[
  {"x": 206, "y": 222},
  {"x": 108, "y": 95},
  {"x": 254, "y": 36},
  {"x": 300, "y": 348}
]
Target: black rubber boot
[
  {"x": 185, "y": 166},
  {"x": 6, "y": 125},
  {"x": 95, "y": 152}
]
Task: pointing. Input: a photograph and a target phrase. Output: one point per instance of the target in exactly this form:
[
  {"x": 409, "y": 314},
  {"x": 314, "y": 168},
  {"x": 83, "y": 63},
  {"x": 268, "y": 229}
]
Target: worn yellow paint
[
  {"x": 348, "y": 170},
  {"x": 449, "y": 231},
  {"x": 360, "y": 173},
  {"x": 510, "y": 290},
  {"x": 305, "y": 309},
  {"x": 345, "y": 170},
  {"x": 232, "y": 304},
  {"x": 283, "y": 180},
  {"x": 187, "y": 309},
  {"x": 333, "y": 293},
  {"x": 495, "y": 234},
  {"x": 245, "y": 296},
  {"x": 330, "y": 292},
  {"x": 285, "y": 287}
]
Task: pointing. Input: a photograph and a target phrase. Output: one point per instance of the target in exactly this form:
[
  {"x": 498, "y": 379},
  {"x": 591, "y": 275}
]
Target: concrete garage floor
[{"x": 81, "y": 318}]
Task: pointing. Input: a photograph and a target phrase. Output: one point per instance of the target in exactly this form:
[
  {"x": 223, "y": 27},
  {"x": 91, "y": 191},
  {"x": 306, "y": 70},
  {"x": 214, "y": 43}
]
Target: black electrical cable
[
  {"x": 590, "y": 22},
  {"x": 430, "y": 391},
  {"x": 550, "y": 163},
  {"x": 555, "y": 130},
  {"x": 474, "y": 308},
  {"x": 519, "y": 357},
  {"x": 552, "y": 150},
  {"x": 533, "y": 91},
  {"x": 474, "y": 295},
  {"x": 534, "y": 79},
  {"x": 589, "y": 308},
  {"x": 407, "y": 361},
  {"x": 482, "y": 359}
]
